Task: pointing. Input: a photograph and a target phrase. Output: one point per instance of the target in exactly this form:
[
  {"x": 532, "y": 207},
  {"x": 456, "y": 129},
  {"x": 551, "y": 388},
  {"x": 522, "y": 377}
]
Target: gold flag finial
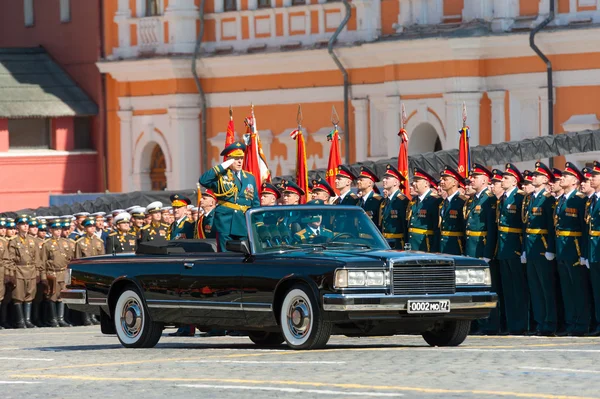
[
  {"x": 464, "y": 114},
  {"x": 335, "y": 119},
  {"x": 403, "y": 117},
  {"x": 299, "y": 115},
  {"x": 230, "y": 112}
]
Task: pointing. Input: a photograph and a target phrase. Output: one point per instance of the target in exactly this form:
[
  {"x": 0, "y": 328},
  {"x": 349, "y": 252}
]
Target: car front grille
[{"x": 423, "y": 277}]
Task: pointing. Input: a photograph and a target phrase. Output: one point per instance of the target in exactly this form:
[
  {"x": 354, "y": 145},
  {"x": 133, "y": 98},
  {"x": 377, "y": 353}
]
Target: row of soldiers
[{"x": 539, "y": 231}]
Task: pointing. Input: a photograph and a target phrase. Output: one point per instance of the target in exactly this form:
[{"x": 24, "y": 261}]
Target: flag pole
[{"x": 403, "y": 152}]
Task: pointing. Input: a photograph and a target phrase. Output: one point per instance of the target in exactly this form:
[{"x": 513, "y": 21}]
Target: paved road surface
[{"x": 82, "y": 363}]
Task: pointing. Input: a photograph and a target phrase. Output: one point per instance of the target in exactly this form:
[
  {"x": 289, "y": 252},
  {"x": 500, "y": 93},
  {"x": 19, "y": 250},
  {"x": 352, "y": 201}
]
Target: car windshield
[{"x": 282, "y": 228}]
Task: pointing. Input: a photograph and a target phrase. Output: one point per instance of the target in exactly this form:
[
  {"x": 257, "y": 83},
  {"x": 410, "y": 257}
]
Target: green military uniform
[
  {"x": 308, "y": 235},
  {"x": 571, "y": 246},
  {"x": 392, "y": 211},
  {"x": 371, "y": 201},
  {"x": 423, "y": 218},
  {"x": 593, "y": 257},
  {"x": 539, "y": 247},
  {"x": 452, "y": 218},
  {"x": 237, "y": 192},
  {"x": 121, "y": 242},
  {"x": 154, "y": 231},
  {"x": 510, "y": 248},
  {"x": 184, "y": 227},
  {"x": 207, "y": 222}
]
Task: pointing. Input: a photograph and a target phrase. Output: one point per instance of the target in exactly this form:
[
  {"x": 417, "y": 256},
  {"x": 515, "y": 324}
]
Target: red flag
[
  {"x": 335, "y": 158},
  {"x": 230, "y": 136},
  {"x": 199, "y": 233},
  {"x": 254, "y": 158},
  {"x": 301, "y": 168},
  {"x": 464, "y": 150},
  {"x": 403, "y": 160}
]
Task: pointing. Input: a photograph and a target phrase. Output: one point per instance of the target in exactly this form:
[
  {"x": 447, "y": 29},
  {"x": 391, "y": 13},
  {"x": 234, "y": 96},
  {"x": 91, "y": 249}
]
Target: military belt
[
  {"x": 237, "y": 207},
  {"x": 452, "y": 233},
  {"x": 536, "y": 231},
  {"x": 568, "y": 233},
  {"x": 476, "y": 233},
  {"x": 505, "y": 229},
  {"x": 594, "y": 233},
  {"x": 393, "y": 235},
  {"x": 421, "y": 231}
]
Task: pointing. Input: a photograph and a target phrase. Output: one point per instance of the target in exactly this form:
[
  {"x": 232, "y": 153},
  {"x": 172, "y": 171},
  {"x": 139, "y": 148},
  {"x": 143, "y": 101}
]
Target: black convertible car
[{"x": 305, "y": 273}]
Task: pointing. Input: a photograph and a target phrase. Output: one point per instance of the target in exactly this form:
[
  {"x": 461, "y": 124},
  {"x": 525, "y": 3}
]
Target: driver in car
[{"x": 312, "y": 230}]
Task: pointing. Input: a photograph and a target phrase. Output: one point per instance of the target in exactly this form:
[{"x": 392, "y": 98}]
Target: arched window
[{"x": 157, "y": 169}]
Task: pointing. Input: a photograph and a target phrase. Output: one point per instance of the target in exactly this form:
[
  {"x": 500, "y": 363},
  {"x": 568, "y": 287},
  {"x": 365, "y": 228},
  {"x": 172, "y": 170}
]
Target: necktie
[
  {"x": 561, "y": 203},
  {"x": 445, "y": 207},
  {"x": 317, "y": 232}
]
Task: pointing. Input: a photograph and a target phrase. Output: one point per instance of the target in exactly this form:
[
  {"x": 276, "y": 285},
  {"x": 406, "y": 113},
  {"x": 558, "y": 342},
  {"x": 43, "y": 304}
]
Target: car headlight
[
  {"x": 68, "y": 276},
  {"x": 479, "y": 276},
  {"x": 360, "y": 278}
]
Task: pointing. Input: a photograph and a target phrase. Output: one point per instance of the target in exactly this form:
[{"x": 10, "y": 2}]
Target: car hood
[{"x": 380, "y": 257}]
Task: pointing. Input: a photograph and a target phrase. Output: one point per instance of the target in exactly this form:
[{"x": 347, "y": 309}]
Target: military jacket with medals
[
  {"x": 120, "y": 242},
  {"x": 207, "y": 221},
  {"x": 182, "y": 229},
  {"x": 349, "y": 199},
  {"x": 571, "y": 229},
  {"x": 423, "y": 223},
  {"x": 510, "y": 225},
  {"x": 593, "y": 222},
  {"x": 452, "y": 225},
  {"x": 538, "y": 220},
  {"x": 154, "y": 231},
  {"x": 342, "y": 224},
  {"x": 372, "y": 206},
  {"x": 56, "y": 254},
  {"x": 481, "y": 227},
  {"x": 89, "y": 246},
  {"x": 308, "y": 235},
  {"x": 236, "y": 194},
  {"x": 21, "y": 256},
  {"x": 393, "y": 222}
]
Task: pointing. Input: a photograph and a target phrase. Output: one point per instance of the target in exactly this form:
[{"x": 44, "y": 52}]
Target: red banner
[
  {"x": 199, "y": 233},
  {"x": 301, "y": 167},
  {"x": 335, "y": 158},
  {"x": 403, "y": 160},
  {"x": 464, "y": 152},
  {"x": 230, "y": 136}
]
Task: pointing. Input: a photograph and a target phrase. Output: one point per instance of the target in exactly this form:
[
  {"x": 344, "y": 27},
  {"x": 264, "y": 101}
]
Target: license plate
[{"x": 441, "y": 306}]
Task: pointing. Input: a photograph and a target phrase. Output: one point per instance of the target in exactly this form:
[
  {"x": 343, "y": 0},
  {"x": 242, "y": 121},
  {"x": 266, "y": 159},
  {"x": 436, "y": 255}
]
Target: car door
[{"x": 210, "y": 288}]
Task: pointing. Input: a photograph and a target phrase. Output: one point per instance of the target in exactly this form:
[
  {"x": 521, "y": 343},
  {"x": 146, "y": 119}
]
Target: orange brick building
[{"x": 431, "y": 55}]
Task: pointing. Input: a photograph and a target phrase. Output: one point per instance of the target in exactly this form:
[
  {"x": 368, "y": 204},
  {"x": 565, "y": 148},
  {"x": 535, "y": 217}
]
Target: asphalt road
[{"x": 82, "y": 363}]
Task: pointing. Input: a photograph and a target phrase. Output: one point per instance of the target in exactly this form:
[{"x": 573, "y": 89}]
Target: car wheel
[
  {"x": 303, "y": 324},
  {"x": 448, "y": 333},
  {"x": 263, "y": 338},
  {"x": 133, "y": 324}
]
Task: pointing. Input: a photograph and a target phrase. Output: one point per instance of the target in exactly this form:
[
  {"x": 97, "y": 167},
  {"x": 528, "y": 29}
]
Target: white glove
[
  {"x": 523, "y": 258},
  {"x": 227, "y": 163},
  {"x": 583, "y": 262},
  {"x": 549, "y": 255},
  {"x": 488, "y": 260}
]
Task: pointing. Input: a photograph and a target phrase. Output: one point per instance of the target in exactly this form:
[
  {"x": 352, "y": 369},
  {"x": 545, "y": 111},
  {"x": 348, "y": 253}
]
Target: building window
[
  {"x": 152, "y": 8},
  {"x": 28, "y": 11},
  {"x": 264, "y": 4},
  {"x": 82, "y": 129},
  {"x": 32, "y": 133},
  {"x": 65, "y": 11},
  {"x": 158, "y": 166},
  {"x": 230, "y": 5},
  {"x": 298, "y": 2}
]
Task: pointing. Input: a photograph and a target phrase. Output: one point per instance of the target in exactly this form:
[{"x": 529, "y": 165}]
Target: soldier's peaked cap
[
  {"x": 33, "y": 222},
  {"x": 557, "y": 173},
  {"x": 122, "y": 218},
  {"x": 478, "y": 169},
  {"x": 587, "y": 172},
  {"x": 89, "y": 221},
  {"x": 572, "y": 169},
  {"x": 512, "y": 170},
  {"x": 56, "y": 224},
  {"x": 366, "y": 172},
  {"x": 419, "y": 173},
  {"x": 138, "y": 212},
  {"x": 527, "y": 177},
  {"x": 290, "y": 186},
  {"x": 497, "y": 175},
  {"x": 344, "y": 171},
  {"x": 22, "y": 219},
  {"x": 178, "y": 200},
  {"x": 235, "y": 149},
  {"x": 154, "y": 207},
  {"x": 542, "y": 169},
  {"x": 209, "y": 193},
  {"x": 451, "y": 172},
  {"x": 391, "y": 171},
  {"x": 596, "y": 168},
  {"x": 321, "y": 184},
  {"x": 271, "y": 189},
  {"x": 81, "y": 214}
]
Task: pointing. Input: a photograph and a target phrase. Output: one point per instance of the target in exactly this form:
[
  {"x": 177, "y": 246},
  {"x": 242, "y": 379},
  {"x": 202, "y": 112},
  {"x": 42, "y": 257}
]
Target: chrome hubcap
[
  {"x": 299, "y": 318},
  {"x": 131, "y": 318}
]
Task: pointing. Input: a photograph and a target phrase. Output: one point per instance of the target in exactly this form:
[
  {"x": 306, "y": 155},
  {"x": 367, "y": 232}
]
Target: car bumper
[
  {"x": 377, "y": 302},
  {"x": 80, "y": 297}
]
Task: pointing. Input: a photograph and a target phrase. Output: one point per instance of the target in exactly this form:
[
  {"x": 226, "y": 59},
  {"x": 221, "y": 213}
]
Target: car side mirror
[{"x": 240, "y": 246}]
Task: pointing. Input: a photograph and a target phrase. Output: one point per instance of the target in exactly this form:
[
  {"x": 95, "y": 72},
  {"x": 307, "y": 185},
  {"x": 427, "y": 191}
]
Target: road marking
[
  {"x": 27, "y": 358},
  {"x": 561, "y": 369},
  {"x": 8, "y": 349},
  {"x": 532, "y": 350},
  {"x": 259, "y": 362},
  {"x": 293, "y": 390},
  {"x": 21, "y": 333},
  {"x": 314, "y": 384},
  {"x": 19, "y": 382}
]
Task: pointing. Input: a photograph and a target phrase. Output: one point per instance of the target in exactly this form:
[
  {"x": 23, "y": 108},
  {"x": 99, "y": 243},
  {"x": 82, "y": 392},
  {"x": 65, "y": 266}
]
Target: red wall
[
  {"x": 76, "y": 47},
  {"x": 27, "y": 181}
]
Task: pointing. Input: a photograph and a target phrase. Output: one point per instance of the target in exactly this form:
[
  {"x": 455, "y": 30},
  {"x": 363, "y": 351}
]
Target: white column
[
  {"x": 184, "y": 141},
  {"x": 505, "y": 12},
  {"x": 392, "y": 125},
  {"x": 321, "y": 19},
  {"x": 181, "y": 16},
  {"x": 361, "y": 129},
  {"x": 126, "y": 149},
  {"x": 434, "y": 12},
  {"x": 368, "y": 18},
  {"x": 497, "y": 99},
  {"x": 290, "y": 145},
  {"x": 252, "y": 5},
  {"x": 543, "y": 94},
  {"x": 478, "y": 9},
  {"x": 286, "y": 23},
  {"x": 454, "y": 122},
  {"x": 121, "y": 18},
  {"x": 219, "y": 5},
  {"x": 405, "y": 17}
]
